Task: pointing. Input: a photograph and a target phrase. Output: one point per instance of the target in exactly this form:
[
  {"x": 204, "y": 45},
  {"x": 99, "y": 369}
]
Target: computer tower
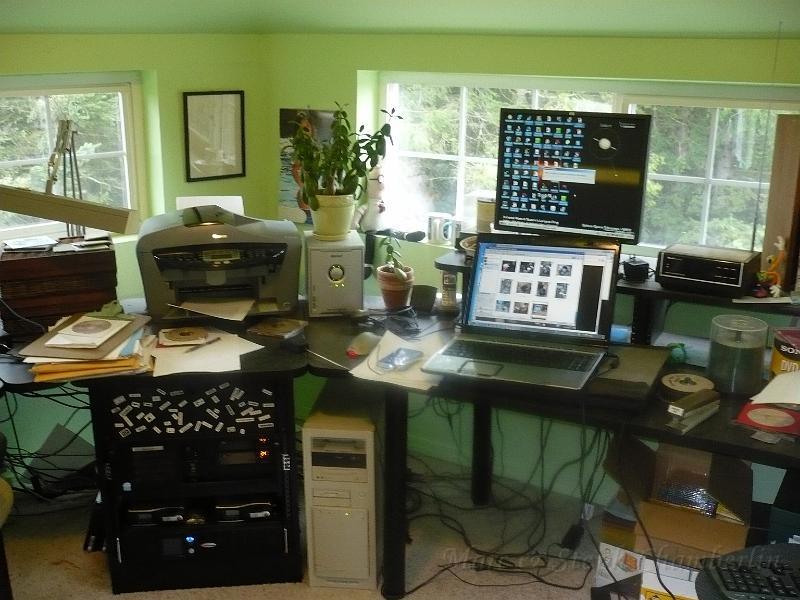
[
  {"x": 334, "y": 275},
  {"x": 341, "y": 495}
]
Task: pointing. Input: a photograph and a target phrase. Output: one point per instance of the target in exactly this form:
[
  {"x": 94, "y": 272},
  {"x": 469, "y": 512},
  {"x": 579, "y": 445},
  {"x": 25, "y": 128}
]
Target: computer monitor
[{"x": 573, "y": 172}]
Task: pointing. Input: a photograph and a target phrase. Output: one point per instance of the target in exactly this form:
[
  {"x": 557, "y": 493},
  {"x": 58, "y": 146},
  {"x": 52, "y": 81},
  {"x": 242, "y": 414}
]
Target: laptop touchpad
[{"x": 480, "y": 368}]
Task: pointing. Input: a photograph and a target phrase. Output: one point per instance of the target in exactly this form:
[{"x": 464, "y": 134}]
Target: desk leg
[
  {"x": 395, "y": 528},
  {"x": 481, "y": 452}
]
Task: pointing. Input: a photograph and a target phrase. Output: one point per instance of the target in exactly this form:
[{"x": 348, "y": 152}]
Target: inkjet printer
[{"x": 206, "y": 252}]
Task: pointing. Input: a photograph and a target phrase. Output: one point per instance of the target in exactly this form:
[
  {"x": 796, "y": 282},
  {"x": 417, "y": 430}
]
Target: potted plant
[
  {"x": 333, "y": 171},
  {"x": 395, "y": 279}
]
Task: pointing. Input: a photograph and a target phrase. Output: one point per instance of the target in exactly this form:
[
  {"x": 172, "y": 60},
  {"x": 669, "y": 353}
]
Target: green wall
[{"x": 277, "y": 71}]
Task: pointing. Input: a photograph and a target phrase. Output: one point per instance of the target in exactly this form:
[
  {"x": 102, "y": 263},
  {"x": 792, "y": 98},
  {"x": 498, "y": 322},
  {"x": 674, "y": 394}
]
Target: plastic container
[{"x": 736, "y": 359}]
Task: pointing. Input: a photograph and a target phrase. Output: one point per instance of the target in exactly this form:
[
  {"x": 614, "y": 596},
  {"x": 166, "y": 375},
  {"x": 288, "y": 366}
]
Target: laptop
[{"x": 538, "y": 311}]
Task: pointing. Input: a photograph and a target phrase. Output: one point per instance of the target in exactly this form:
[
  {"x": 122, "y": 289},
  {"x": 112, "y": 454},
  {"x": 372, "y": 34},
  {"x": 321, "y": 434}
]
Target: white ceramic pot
[{"x": 333, "y": 218}]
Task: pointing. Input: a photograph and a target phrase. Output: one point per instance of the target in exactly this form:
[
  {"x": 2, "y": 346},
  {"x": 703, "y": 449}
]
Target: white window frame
[
  {"x": 627, "y": 94},
  {"x": 128, "y": 85},
  {"x": 707, "y": 180}
]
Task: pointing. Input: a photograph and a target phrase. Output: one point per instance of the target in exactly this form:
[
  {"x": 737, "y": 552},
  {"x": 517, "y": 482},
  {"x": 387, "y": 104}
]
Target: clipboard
[{"x": 38, "y": 348}]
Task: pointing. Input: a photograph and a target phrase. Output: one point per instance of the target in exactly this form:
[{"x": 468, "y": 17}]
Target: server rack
[{"x": 197, "y": 479}]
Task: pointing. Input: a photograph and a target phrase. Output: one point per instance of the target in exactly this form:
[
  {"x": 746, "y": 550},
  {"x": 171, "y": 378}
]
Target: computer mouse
[{"x": 362, "y": 344}]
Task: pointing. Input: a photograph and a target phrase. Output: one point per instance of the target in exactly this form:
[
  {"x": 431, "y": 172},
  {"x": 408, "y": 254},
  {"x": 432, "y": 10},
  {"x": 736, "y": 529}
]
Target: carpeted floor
[{"x": 46, "y": 559}]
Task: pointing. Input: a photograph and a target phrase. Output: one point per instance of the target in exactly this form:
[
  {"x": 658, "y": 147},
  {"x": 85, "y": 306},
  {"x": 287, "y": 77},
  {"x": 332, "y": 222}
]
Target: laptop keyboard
[{"x": 535, "y": 357}]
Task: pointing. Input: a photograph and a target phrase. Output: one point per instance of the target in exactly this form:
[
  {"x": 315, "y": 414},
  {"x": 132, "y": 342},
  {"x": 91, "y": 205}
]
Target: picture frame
[{"x": 214, "y": 134}]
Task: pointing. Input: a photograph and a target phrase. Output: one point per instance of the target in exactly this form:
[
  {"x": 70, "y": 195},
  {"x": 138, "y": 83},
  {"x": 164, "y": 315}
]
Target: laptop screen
[{"x": 558, "y": 288}]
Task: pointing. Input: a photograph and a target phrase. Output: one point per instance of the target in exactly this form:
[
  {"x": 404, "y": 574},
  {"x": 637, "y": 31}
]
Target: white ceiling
[{"x": 639, "y": 18}]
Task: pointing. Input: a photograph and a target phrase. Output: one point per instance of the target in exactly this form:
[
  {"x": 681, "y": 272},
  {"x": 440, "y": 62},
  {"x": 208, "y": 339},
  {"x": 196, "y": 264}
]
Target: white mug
[{"x": 440, "y": 228}]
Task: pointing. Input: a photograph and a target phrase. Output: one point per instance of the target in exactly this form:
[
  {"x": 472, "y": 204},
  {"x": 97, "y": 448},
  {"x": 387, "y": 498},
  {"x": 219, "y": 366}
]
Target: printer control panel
[{"x": 201, "y": 258}]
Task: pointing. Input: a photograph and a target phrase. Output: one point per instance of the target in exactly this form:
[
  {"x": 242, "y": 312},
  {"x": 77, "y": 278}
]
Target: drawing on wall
[
  {"x": 292, "y": 204},
  {"x": 213, "y": 130}
]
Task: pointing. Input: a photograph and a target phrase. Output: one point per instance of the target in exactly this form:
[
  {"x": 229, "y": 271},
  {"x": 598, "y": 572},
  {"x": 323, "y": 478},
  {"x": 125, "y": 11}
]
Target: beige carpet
[{"x": 46, "y": 559}]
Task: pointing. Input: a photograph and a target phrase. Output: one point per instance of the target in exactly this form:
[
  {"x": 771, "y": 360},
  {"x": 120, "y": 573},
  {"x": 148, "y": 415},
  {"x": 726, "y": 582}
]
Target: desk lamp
[{"x": 67, "y": 210}]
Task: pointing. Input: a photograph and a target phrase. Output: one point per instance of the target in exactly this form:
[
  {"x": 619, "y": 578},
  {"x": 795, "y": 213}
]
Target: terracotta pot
[
  {"x": 396, "y": 292},
  {"x": 333, "y": 218}
]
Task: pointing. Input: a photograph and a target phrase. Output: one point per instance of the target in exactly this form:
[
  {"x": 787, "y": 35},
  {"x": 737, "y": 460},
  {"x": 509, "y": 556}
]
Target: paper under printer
[{"x": 207, "y": 252}]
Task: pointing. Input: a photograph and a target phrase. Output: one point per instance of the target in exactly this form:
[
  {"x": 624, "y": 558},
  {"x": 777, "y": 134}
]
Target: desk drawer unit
[{"x": 198, "y": 482}]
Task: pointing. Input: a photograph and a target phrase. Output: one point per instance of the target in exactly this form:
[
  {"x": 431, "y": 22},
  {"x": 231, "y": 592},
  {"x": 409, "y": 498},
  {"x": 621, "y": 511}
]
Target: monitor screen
[{"x": 574, "y": 172}]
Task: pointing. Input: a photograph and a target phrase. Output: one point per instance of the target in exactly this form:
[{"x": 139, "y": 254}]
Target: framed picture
[{"x": 214, "y": 134}]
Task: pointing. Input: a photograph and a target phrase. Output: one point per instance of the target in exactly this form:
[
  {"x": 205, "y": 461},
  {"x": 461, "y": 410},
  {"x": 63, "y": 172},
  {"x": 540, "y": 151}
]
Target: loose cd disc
[
  {"x": 185, "y": 334},
  {"x": 675, "y": 385},
  {"x": 91, "y": 327},
  {"x": 770, "y": 417}
]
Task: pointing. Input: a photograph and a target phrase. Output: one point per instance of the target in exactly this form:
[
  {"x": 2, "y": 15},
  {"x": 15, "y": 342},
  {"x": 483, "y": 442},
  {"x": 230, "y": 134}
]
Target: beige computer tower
[{"x": 341, "y": 495}]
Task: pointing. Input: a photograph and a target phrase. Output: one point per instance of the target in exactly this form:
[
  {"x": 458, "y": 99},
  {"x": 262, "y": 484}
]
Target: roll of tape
[{"x": 676, "y": 385}]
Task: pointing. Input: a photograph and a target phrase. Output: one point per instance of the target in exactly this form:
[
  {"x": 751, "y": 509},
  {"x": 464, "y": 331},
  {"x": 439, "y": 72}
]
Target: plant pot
[
  {"x": 333, "y": 218},
  {"x": 396, "y": 292}
]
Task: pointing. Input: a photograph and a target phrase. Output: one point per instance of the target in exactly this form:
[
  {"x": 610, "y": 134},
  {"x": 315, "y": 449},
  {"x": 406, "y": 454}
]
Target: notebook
[{"x": 538, "y": 311}]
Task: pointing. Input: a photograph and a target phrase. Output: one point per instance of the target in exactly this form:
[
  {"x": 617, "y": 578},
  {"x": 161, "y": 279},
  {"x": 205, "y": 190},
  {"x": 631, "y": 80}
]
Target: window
[
  {"x": 709, "y": 158},
  {"x": 29, "y": 123}
]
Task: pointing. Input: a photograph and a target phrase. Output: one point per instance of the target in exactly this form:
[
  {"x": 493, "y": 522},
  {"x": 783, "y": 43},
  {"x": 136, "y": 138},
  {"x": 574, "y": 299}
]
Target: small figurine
[
  {"x": 367, "y": 216},
  {"x": 769, "y": 281}
]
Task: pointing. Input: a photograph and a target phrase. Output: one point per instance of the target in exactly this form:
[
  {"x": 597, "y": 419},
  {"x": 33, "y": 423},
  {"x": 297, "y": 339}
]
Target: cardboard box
[
  {"x": 679, "y": 534},
  {"x": 636, "y": 577}
]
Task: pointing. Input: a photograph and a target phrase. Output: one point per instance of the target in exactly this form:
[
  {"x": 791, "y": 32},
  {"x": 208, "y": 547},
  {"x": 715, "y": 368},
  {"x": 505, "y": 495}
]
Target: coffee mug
[
  {"x": 485, "y": 210},
  {"x": 440, "y": 228}
]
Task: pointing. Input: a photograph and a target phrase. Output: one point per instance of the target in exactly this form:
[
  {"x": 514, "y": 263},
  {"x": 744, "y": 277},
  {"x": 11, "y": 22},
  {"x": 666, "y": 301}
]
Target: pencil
[{"x": 193, "y": 348}]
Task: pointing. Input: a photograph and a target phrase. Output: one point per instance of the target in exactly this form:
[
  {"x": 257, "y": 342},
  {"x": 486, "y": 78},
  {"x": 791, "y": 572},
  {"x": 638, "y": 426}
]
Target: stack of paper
[
  {"x": 82, "y": 346},
  {"x": 221, "y": 352}
]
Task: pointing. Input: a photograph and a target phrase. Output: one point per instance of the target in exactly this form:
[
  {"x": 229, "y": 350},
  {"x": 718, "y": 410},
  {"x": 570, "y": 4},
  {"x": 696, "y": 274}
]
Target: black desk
[
  {"x": 329, "y": 337},
  {"x": 717, "y": 434}
]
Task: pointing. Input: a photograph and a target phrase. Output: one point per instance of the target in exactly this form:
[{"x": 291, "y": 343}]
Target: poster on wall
[
  {"x": 292, "y": 204},
  {"x": 213, "y": 130}
]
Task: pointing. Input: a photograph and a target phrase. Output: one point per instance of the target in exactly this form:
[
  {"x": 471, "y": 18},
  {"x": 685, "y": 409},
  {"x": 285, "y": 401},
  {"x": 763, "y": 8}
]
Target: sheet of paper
[
  {"x": 222, "y": 355},
  {"x": 765, "y": 300},
  {"x": 231, "y": 309},
  {"x": 413, "y": 377},
  {"x": 783, "y": 389},
  {"x": 87, "y": 332}
]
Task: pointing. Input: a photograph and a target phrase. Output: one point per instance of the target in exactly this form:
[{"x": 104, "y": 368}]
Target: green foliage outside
[
  {"x": 28, "y": 125},
  {"x": 709, "y": 168}
]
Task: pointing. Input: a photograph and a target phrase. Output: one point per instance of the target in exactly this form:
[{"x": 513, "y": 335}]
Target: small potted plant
[
  {"x": 395, "y": 279},
  {"x": 333, "y": 172}
]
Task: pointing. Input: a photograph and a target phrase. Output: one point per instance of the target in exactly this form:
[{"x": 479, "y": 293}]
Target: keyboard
[
  {"x": 521, "y": 355},
  {"x": 760, "y": 573}
]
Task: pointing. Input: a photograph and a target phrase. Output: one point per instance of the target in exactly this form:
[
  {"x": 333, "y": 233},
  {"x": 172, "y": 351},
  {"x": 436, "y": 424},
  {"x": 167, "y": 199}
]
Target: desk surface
[{"x": 328, "y": 339}]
